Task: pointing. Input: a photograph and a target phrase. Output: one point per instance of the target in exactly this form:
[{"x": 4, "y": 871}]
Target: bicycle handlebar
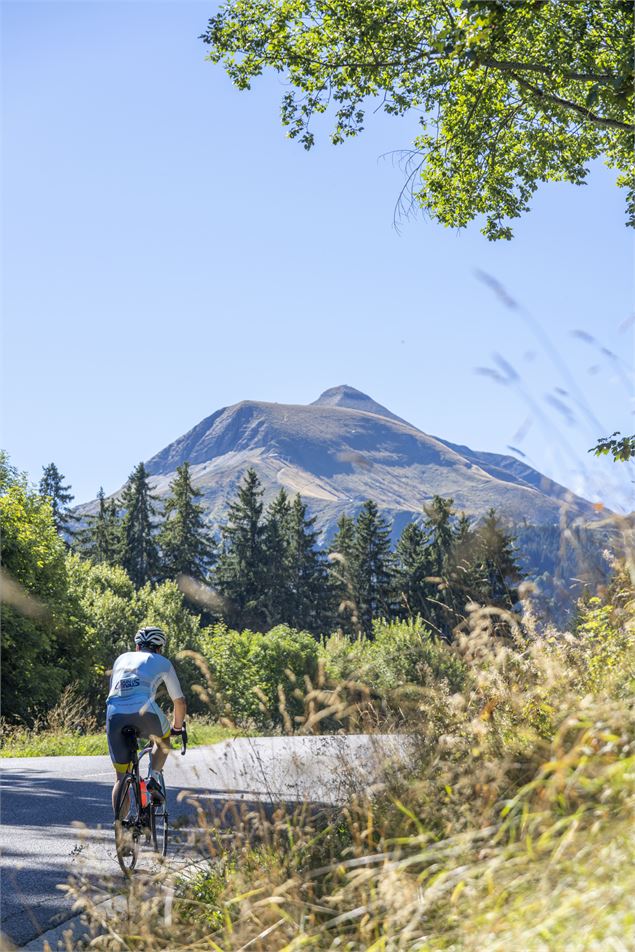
[{"x": 183, "y": 735}]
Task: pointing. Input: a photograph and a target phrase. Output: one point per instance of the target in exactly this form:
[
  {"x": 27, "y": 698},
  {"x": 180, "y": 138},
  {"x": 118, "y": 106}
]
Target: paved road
[{"x": 57, "y": 820}]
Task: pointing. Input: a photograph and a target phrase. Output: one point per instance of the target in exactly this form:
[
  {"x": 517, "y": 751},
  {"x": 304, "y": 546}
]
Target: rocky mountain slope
[{"x": 345, "y": 448}]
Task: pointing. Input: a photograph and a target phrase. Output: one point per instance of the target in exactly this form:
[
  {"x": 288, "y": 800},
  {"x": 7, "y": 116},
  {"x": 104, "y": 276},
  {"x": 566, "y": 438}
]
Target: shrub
[
  {"x": 400, "y": 654},
  {"x": 43, "y": 646},
  {"x": 164, "y": 606},
  {"x": 109, "y": 610},
  {"x": 606, "y": 641},
  {"x": 247, "y": 669}
]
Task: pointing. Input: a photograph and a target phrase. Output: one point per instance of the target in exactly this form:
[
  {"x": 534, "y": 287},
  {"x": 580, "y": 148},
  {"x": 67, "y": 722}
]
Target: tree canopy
[
  {"x": 41, "y": 643},
  {"x": 506, "y": 93}
]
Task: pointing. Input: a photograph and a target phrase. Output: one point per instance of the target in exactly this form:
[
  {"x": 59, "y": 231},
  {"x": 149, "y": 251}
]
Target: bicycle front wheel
[
  {"x": 159, "y": 826},
  {"x": 127, "y": 825}
]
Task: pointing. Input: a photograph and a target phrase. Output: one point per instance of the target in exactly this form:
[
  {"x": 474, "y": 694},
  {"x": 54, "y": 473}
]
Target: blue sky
[{"x": 167, "y": 251}]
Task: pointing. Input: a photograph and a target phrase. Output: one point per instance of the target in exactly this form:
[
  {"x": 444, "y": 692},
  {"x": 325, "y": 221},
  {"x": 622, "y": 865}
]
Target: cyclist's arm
[
  {"x": 180, "y": 710},
  {"x": 178, "y": 700}
]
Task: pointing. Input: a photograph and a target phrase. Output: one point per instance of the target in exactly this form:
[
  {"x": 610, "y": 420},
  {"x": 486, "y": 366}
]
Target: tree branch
[
  {"x": 574, "y": 106},
  {"x": 504, "y": 65}
]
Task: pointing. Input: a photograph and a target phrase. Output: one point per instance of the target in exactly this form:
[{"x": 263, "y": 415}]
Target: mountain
[{"x": 345, "y": 448}]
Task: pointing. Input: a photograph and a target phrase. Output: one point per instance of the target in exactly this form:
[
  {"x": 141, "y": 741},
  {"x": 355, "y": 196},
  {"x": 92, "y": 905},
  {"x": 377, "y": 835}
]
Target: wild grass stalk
[{"x": 511, "y": 828}]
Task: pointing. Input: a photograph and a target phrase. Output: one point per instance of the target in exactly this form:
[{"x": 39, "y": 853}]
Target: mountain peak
[
  {"x": 346, "y": 448},
  {"x": 351, "y": 399}
]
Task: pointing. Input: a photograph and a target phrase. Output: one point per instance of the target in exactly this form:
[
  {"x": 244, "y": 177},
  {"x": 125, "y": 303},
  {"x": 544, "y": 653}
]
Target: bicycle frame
[{"x": 144, "y": 819}]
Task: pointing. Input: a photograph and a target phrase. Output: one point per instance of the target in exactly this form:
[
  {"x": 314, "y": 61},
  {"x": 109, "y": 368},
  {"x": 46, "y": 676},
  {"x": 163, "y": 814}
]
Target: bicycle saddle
[{"x": 130, "y": 731}]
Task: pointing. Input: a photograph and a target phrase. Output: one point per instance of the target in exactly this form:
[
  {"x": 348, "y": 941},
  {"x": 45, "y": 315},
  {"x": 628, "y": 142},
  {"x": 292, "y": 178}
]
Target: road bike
[{"x": 138, "y": 813}]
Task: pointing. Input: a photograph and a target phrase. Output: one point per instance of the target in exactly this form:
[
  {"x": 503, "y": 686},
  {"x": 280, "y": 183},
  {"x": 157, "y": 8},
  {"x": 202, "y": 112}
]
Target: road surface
[{"x": 57, "y": 819}]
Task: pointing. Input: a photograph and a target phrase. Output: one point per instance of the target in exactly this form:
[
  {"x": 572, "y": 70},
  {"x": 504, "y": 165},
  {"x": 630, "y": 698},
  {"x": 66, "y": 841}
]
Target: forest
[{"x": 88, "y": 586}]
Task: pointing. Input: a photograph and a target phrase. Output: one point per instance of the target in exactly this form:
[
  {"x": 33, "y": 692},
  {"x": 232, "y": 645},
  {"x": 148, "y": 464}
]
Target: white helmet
[{"x": 150, "y": 637}]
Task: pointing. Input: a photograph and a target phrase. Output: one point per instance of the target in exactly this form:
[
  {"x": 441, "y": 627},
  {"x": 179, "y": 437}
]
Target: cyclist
[{"x": 136, "y": 675}]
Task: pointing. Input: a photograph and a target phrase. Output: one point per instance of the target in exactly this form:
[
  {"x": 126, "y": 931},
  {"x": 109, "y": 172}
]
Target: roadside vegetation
[
  {"x": 70, "y": 730},
  {"x": 511, "y": 826},
  {"x": 23, "y": 742}
]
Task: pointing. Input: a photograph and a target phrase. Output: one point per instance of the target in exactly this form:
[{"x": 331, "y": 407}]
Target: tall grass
[
  {"x": 511, "y": 829},
  {"x": 70, "y": 729}
]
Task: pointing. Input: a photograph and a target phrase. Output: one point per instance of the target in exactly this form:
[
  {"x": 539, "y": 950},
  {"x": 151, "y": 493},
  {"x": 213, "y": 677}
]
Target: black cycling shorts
[{"x": 147, "y": 723}]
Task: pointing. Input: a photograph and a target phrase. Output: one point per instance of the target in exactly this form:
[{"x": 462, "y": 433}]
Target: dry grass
[{"x": 513, "y": 828}]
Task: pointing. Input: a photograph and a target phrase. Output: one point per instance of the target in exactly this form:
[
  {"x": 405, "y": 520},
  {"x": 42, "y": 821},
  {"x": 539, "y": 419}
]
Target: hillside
[{"x": 345, "y": 448}]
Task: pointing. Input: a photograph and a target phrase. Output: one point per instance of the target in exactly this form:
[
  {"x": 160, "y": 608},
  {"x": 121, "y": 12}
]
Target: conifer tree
[
  {"x": 277, "y": 543},
  {"x": 241, "y": 570},
  {"x": 101, "y": 539},
  {"x": 438, "y": 524},
  {"x": 462, "y": 569},
  {"x": 342, "y": 573},
  {"x": 186, "y": 546},
  {"x": 52, "y": 486},
  {"x": 441, "y": 610},
  {"x": 139, "y": 551},
  {"x": 497, "y": 562},
  {"x": 463, "y": 531},
  {"x": 311, "y": 595},
  {"x": 373, "y": 566},
  {"x": 412, "y": 567}
]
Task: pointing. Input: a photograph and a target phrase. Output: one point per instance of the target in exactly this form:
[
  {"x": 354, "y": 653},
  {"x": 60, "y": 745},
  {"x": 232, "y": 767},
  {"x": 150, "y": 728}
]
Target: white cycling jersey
[{"x": 136, "y": 675}]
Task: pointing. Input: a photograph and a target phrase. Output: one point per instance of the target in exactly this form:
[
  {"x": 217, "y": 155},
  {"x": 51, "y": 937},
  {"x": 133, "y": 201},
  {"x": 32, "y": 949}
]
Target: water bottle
[{"x": 143, "y": 788}]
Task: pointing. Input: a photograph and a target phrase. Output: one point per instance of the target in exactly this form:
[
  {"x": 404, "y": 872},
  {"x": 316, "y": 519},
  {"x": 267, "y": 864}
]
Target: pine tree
[
  {"x": 463, "y": 532},
  {"x": 462, "y": 569},
  {"x": 277, "y": 543},
  {"x": 242, "y": 569},
  {"x": 311, "y": 595},
  {"x": 438, "y": 524},
  {"x": 139, "y": 551},
  {"x": 52, "y": 486},
  {"x": 412, "y": 567},
  {"x": 185, "y": 543},
  {"x": 497, "y": 562},
  {"x": 441, "y": 611},
  {"x": 342, "y": 573},
  {"x": 101, "y": 539},
  {"x": 373, "y": 566}
]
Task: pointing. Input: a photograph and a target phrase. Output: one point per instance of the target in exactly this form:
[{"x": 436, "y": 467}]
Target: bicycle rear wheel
[
  {"x": 159, "y": 826},
  {"x": 127, "y": 825}
]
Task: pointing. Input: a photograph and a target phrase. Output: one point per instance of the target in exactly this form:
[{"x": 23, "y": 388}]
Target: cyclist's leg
[
  {"x": 119, "y": 750},
  {"x": 157, "y": 728},
  {"x": 160, "y": 751},
  {"x": 120, "y": 773}
]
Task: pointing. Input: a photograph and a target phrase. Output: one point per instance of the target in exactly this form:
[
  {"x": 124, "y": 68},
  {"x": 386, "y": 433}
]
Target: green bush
[
  {"x": 400, "y": 654},
  {"x": 248, "y": 667},
  {"x": 164, "y": 605},
  {"x": 110, "y": 611},
  {"x": 606, "y": 641},
  {"x": 43, "y": 645},
  {"x": 107, "y": 612}
]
